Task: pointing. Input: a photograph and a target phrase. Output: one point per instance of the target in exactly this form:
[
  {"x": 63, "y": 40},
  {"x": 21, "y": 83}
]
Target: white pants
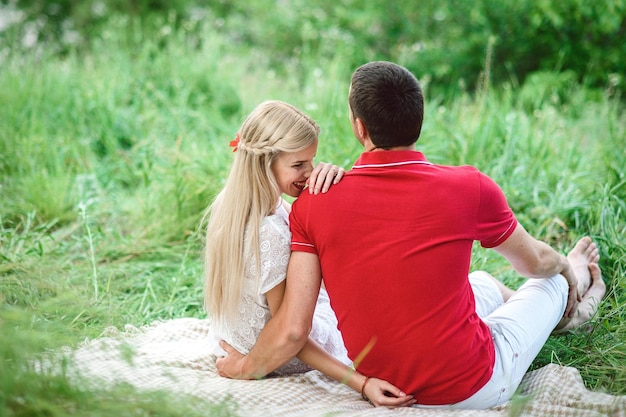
[{"x": 519, "y": 330}]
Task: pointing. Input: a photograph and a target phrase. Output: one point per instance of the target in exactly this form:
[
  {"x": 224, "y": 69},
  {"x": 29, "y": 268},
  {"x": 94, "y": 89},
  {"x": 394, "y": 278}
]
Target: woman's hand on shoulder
[
  {"x": 323, "y": 176},
  {"x": 383, "y": 394}
]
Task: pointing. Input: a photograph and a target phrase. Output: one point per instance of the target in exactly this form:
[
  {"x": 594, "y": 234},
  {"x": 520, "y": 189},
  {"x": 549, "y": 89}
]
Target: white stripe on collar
[{"x": 391, "y": 164}]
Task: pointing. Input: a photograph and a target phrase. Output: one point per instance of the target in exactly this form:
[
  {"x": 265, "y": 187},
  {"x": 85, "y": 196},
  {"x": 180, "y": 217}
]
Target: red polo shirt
[{"x": 394, "y": 239}]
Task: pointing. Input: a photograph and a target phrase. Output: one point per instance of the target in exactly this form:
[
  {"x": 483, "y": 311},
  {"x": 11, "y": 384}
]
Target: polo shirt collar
[{"x": 388, "y": 158}]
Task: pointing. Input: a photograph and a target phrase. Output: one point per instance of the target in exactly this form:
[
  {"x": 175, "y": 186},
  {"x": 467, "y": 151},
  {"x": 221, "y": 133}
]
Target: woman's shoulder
[
  {"x": 277, "y": 221},
  {"x": 274, "y": 226}
]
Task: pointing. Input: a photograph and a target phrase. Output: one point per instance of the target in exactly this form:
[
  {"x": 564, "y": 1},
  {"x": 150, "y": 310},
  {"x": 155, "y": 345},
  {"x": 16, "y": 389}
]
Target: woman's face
[{"x": 292, "y": 169}]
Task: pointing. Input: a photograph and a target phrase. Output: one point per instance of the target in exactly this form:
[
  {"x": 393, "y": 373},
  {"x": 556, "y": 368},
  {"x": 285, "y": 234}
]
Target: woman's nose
[{"x": 309, "y": 169}]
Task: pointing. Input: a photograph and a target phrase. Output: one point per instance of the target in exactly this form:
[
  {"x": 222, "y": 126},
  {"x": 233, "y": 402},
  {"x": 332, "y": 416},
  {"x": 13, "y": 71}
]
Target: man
[{"x": 393, "y": 241}]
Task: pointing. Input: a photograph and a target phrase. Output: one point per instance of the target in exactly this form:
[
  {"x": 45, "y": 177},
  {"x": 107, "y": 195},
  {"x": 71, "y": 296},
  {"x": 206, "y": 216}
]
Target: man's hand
[
  {"x": 231, "y": 365},
  {"x": 573, "y": 297}
]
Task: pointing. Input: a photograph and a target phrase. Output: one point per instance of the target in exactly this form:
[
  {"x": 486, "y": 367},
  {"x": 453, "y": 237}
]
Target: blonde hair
[{"x": 251, "y": 193}]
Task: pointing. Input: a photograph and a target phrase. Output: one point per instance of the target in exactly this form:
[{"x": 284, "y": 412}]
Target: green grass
[{"x": 108, "y": 158}]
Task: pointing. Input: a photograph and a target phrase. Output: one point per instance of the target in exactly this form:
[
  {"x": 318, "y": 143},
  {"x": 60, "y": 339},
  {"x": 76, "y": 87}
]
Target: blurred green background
[
  {"x": 115, "y": 119},
  {"x": 448, "y": 42}
]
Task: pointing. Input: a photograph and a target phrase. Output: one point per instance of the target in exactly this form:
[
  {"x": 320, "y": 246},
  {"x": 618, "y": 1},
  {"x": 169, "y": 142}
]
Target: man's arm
[
  {"x": 535, "y": 259},
  {"x": 286, "y": 333}
]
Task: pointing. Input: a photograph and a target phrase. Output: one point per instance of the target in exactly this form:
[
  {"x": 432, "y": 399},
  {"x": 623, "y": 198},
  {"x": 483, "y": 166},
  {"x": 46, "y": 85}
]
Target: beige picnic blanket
[{"x": 172, "y": 356}]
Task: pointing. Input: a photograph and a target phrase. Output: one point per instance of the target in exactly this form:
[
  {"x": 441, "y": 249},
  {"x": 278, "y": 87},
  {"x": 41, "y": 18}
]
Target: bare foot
[
  {"x": 589, "y": 305},
  {"x": 585, "y": 252}
]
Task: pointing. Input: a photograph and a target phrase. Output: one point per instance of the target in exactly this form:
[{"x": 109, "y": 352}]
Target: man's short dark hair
[{"x": 389, "y": 100}]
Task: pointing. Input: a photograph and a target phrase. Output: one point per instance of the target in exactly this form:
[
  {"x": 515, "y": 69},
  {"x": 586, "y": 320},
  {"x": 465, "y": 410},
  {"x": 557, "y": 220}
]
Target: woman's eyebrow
[{"x": 299, "y": 161}]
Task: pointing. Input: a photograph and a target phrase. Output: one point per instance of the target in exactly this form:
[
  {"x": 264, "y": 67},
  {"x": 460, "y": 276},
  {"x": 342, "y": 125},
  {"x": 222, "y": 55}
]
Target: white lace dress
[{"x": 254, "y": 312}]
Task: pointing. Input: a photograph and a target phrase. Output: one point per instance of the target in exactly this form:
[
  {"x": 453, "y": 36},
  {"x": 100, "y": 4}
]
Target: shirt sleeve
[
  {"x": 274, "y": 239},
  {"x": 300, "y": 240},
  {"x": 496, "y": 221}
]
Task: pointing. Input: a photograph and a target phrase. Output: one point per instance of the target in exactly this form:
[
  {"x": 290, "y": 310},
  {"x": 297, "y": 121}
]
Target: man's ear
[{"x": 361, "y": 129}]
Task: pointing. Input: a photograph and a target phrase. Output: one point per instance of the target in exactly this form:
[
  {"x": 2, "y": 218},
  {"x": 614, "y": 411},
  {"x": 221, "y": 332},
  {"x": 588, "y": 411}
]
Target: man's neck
[{"x": 395, "y": 148}]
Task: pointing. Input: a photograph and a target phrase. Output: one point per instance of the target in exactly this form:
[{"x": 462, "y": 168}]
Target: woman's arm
[{"x": 378, "y": 392}]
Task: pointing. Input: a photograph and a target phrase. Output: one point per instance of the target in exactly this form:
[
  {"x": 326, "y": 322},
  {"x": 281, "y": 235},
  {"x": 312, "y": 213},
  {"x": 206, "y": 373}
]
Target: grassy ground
[{"x": 109, "y": 157}]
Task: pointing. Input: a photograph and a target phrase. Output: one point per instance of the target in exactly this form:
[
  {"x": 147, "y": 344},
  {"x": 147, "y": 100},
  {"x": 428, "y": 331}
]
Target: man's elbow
[{"x": 297, "y": 334}]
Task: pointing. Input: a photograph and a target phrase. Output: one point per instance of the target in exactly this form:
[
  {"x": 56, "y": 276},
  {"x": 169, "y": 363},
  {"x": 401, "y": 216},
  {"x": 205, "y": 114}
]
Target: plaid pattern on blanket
[{"x": 172, "y": 356}]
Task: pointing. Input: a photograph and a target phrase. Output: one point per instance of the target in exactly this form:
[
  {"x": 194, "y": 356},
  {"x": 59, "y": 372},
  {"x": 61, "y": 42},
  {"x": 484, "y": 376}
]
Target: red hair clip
[{"x": 235, "y": 143}]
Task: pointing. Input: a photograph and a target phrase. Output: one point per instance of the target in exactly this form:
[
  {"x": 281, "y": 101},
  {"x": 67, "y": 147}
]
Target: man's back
[{"x": 394, "y": 240}]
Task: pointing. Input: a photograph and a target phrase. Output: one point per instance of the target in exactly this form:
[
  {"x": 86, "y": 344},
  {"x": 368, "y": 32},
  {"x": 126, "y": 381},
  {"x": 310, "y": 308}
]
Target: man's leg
[
  {"x": 519, "y": 329},
  {"x": 489, "y": 293},
  {"x": 584, "y": 260},
  {"x": 588, "y": 306},
  {"x": 521, "y": 326}
]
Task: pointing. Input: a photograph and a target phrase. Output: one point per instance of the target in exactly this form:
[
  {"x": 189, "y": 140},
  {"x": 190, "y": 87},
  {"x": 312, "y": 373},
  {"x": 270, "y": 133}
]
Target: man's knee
[{"x": 557, "y": 288}]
